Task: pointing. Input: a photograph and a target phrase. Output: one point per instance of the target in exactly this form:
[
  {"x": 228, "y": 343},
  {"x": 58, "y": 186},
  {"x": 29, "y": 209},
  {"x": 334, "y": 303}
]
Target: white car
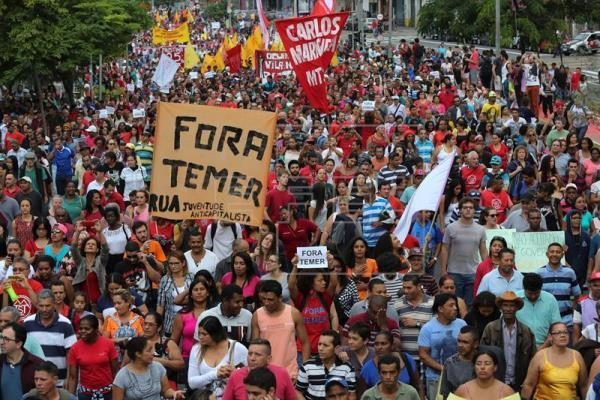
[{"x": 583, "y": 43}]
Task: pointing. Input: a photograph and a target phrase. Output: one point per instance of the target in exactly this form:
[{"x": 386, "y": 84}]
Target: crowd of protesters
[{"x": 103, "y": 300}]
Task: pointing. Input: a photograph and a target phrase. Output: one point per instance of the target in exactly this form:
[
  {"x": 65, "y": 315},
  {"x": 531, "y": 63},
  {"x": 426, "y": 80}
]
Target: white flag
[
  {"x": 426, "y": 197},
  {"x": 263, "y": 23},
  {"x": 165, "y": 71}
]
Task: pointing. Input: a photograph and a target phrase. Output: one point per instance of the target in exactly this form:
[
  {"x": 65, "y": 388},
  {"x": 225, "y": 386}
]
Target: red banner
[
  {"x": 176, "y": 53},
  {"x": 234, "y": 59},
  {"x": 274, "y": 63},
  {"x": 310, "y": 43}
]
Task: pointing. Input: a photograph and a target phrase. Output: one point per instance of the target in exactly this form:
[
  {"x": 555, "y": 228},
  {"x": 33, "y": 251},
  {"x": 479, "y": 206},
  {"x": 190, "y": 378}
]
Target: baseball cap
[
  {"x": 496, "y": 160},
  {"x": 91, "y": 128},
  {"x": 61, "y": 228},
  {"x": 420, "y": 172},
  {"x": 571, "y": 186},
  {"x": 336, "y": 380},
  {"x": 130, "y": 146},
  {"x": 595, "y": 276},
  {"x": 25, "y": 178},
  {"x": 475, "y": 194},
  {"x": 30, "y": 155},
  {"x": 415, "y": 252},
  {"x": 492, "y": 94}
]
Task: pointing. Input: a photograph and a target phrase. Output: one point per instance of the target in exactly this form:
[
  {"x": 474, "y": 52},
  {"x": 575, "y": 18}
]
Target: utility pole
[
  {"x": 100, "y": 77},
  {"x": 361, "y": 22},
  {"x": 391, "y": 23},
  {"x": 497, "y": 27},
  {"x": 91, "y": 77}
]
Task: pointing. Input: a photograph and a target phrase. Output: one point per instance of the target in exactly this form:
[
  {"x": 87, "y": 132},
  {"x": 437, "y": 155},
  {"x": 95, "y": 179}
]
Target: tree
[{"x": 48, "y": 39}]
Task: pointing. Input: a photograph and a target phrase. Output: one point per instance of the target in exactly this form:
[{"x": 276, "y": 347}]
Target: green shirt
[
  {"x": 555, "y": 134},
  {"x": 405, "y": 392},
  {"x": 540, "y": 315},
  {"x": 74, "y": 206},
  {"x": 32, "y": 175}
]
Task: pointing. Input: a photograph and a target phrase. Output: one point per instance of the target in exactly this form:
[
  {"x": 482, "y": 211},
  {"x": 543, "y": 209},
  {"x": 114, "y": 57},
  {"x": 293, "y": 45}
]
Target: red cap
[{"x": 595, "y": 276}]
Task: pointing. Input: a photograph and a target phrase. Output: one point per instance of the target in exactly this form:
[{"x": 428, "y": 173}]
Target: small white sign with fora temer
[{"x": 312, "y": 257}]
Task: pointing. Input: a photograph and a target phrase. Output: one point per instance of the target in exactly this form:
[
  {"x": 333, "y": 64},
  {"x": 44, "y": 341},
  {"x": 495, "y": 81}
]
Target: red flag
[
  {"x": 310, "y": 43},
  {"x": 234, "y": 59},
  {"x": 323, "y": 7}
]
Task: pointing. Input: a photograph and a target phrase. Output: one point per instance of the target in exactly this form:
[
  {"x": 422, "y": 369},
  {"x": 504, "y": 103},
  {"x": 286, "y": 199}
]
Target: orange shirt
[{"x": 365, "y": 277}]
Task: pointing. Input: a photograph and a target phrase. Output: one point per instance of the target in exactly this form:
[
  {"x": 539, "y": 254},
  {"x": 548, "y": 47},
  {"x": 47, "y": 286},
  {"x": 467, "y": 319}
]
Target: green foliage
[
  {"x": 463, "y": 19},
  {"x": 52, "y": 37},
  {"x": 216, "y": 10}
]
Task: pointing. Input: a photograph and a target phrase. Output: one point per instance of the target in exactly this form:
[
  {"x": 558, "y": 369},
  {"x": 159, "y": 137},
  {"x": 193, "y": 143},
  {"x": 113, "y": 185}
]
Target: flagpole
[{"x": 428, "y": 239}]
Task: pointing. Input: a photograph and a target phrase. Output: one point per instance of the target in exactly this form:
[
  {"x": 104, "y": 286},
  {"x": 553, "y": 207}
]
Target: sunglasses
[{"x": 55, "y": 231}]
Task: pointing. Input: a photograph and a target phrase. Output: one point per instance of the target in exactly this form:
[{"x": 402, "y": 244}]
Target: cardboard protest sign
[
  {"x": 530, "y": 248},
  {"x": 274, "y": 63},
  {"x": 312, "y": 257},
  {"x": 507, "y": 234},
  {"x": 103, "y": 114},
  {"x": 139, "y": 113},
  {"x": 310, "y": 43},
  {"x": 162, "y": 36},
  {"x": 211, "y": 162}
]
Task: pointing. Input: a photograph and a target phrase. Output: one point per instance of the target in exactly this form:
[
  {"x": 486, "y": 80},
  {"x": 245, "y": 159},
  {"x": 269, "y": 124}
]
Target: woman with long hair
[
  {"x": 94, "y": 211},
  {"x": 491, "y": 262},
  {"x": 556, "y": 372},
  {"x": 123, "y": 324},
  {"x": 22, "y": 225},
  {"x": 390, "y": 243},
  {"x": 143, "y": 377},
  {"x": 446, "y": 149},
  {"x": 485, "y": 385},
  {"x": 449, "y": 202},
  {"x": 166, "y": 350},
  {"x": 40, "y": 231},
  {"x": 483, "y": 312},
  {"x": 174, "y": 282},
  {"x": 311, "y": 294},
  {"x": 184, "y": 325},
  {"x": 265, "y": 248},
  {"x": 93, "y": 362},
  {"x": 520, "y": 160},
  {"x": 90, "y": 256},
  {"x": 317, "y": 210},
  {"x": 547, "y": 168},
  {"x": 243, "y": 275},
  {"x": 214, "y": 357},
  {"x": 360, "y": 268},
  {"x": 346, "y": 171}
]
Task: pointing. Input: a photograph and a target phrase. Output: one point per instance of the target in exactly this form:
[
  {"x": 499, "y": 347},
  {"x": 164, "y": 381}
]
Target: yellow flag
[
  {"x": 207, "y": 63},
  {"x": 230, "y": 41},
  {"x": 334, "y": 60},
  {"x": 277, "y": 45},
  {"x": 220, "y": 59},
  {"x": 190, "y": 57}
]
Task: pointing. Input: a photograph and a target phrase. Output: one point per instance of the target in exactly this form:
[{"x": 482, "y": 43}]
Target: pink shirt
[
  {"x": 189, "y": 321},
  {"x": 236, "y": 390}
]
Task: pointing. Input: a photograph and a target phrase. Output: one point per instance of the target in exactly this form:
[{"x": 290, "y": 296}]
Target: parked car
[{"x": 583, "y": 43}]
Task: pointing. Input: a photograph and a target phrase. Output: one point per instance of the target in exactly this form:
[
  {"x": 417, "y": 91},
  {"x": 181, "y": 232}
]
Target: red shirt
[
  {"x": 23, "y": 302},
  {"x": 116, "y": 197},
  {"x": 94, "y": 361},
  {"x": 410, "y": 242},
  {"x": 498, "y": 201},
  {"x": 18, "y": 136},
  {"x": 309, "y": 173},
  {"x": 346, "y": 144},
  {"x": 86, "y": 179},
  {"x": 276, "y": 199},
  {"x": 294, "y": 238},
  {"x": 236, "y": 390},
  {"x": 316, "y": 318},
  {"x": 12, "y": 193},
  {"x": 472, "y": 177}
]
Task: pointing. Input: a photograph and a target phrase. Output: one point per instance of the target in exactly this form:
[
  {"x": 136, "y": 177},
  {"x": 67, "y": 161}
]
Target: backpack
[
  {"x": 342, "y": 232},
  {"x": 213, "y": 231}
]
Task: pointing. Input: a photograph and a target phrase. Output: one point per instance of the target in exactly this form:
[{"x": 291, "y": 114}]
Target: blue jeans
[
  {"x": 464, "y": 286},
  {"x": 581, "y": 131}
]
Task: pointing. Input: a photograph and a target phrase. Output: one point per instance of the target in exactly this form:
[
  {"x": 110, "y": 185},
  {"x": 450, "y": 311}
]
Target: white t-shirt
[
  {"x": 117, "y": 239},
  {"x": 208, "y": 262}
]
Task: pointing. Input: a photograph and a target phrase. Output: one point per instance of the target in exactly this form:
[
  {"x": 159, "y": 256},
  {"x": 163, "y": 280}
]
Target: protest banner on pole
[
  {"x": 530, "y": 248},
  {"x": 274, "y": 63},
  {"x": 162, "y": 36},
  {"x": 312, "y": 257},
  {"x": 310, "y": 43},
  {"x": 506, "y": 234},
  {"x": 211, "y": 162}
]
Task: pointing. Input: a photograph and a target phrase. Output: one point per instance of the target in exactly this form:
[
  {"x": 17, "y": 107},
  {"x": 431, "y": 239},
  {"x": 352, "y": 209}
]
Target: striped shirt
[
  {"x": 388, "y": 175},
  {"x": 313, "y": 375},
  {"x": 55, "y": 339},
  {"x": 167, "y": 292},
  {"x": 424, "y": 149},
  {"x": 421, "y": 313},
  {"x": 372, "y": 213},
  {"x": 562, "y": 284}
]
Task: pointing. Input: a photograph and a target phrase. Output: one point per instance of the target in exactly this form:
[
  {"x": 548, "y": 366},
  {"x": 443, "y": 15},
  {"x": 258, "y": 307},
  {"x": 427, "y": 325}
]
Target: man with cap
[
  {"x": 473, "y": 172},
  {"x": 504, "y": 278},
  {"x": 519, "y": 219},
  {"x": 496, "y": 197},
  {"x": 415, "y": 259},
  {"x": 514, "y": 337},
  {"x": 585, "y": 312},
  {"x": 39, "y": 175},
  {"x": 491, "y": 108},
  {"x": 35, "y": 198},
  {"x": 336, "y": 389},
  {"x": 568, "y": 202},
  {"x": 495, "y": 171}
]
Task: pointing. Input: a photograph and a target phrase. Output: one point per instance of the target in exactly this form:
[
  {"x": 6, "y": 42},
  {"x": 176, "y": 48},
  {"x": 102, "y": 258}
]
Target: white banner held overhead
[
  {"x": 165, "y": 72},
  {"x": 426, "y": 197}
]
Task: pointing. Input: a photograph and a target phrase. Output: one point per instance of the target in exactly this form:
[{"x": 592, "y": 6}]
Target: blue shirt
[
  {"x": 424, "y": 149},
  {"x": 372, "y": 213},
  {"x": 440, "y": 339},
  {"x": 62, "y": 161},
  {"x": 562, "y": 284},
  {"x": 420, "y": 232},
  {"x": 370, "y": 374},
  {"x": 497, "y": 284},
  {"x": 11, "y": 381}
]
